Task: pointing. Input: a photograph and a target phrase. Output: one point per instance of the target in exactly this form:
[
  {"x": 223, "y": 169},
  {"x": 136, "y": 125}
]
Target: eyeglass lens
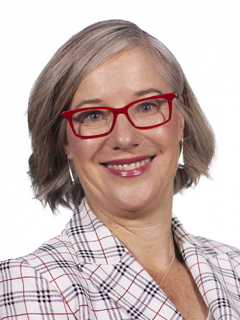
[{"x": 142, "y": 114}]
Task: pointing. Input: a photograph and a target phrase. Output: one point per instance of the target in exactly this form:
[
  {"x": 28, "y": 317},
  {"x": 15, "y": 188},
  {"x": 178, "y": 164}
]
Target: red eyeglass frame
[{"x": 69, "y": 113}]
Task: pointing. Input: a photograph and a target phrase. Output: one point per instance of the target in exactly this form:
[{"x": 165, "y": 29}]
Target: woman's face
[{"x": 128, "y": 76}]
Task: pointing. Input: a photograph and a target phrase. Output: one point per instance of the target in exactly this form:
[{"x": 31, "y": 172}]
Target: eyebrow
[
  {"x": 90, "y": 101},
  {"x": 138, "y": 94},
  {"x": 150, "y": 90}
]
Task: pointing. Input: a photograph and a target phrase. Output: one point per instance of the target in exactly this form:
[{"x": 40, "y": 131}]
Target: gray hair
[{"x": 56, "y": 85}]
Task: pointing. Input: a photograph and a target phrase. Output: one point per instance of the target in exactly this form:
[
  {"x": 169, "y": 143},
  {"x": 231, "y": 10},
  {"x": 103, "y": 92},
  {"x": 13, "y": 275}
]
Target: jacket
[{"x": 86, "y": 273}]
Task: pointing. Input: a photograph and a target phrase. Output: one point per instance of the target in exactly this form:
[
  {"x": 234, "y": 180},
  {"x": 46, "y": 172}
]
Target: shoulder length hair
[{"x": 53, "y": 92}]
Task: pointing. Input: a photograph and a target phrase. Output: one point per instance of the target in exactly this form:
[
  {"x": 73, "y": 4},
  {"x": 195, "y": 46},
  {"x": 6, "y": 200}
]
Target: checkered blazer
[{"x": 86, "y": 273}]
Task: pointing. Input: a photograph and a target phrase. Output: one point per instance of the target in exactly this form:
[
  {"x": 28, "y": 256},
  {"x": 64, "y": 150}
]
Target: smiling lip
[
  {"x": 129, "y": 160},
  {"x": 129, "y": 167}
]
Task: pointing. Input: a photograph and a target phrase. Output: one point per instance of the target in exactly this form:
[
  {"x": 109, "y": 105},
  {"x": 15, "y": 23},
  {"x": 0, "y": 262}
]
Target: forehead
[{"x": 125, "y": 74}]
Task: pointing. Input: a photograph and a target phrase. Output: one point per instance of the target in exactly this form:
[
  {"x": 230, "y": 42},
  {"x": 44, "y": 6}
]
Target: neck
[{"x": 147, "y": 235}]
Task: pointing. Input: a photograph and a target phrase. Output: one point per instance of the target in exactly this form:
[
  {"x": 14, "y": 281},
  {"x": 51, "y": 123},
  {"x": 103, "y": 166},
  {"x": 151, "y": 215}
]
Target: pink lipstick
[{"x": 129, "y": 167}]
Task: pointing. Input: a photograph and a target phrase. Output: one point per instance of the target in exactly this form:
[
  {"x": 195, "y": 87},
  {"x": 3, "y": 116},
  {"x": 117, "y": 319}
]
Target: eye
[
  {"x": 147, "y": 107},
  {"x": 90, "y": 117}
]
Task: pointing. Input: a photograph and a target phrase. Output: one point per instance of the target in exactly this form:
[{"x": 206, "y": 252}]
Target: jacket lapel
[
  {"x": 132, "y": 289},
  {"x": 212, "y": 271}
]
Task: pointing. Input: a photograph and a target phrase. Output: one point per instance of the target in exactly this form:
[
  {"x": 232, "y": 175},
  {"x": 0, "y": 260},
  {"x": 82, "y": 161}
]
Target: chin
[{"x": 132, "y": 203}]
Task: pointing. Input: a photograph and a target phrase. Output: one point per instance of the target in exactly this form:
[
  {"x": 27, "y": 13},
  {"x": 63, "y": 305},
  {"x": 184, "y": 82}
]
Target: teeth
[
  {"x": 129, "y": 166},
  {"x": 138, "y": 164}
]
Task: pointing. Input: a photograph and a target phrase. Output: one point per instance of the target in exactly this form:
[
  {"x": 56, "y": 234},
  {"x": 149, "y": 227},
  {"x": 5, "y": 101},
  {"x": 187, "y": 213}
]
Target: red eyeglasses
[{"x": 95, "y": 122}]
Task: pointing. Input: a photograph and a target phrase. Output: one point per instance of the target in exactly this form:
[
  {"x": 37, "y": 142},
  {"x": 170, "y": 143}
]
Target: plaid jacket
[{"x": 86, "y": 273}]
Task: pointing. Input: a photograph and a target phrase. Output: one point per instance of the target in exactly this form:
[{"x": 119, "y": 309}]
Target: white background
[{"x": 203, "y": 35}]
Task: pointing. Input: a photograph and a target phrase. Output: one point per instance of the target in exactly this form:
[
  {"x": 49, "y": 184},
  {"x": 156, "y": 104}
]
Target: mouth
[{"x": 128, "y": 166}]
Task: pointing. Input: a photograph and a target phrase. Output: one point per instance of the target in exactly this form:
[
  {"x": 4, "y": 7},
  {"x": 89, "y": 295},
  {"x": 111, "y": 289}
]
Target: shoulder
[
  {"x": 37, "y": 281},
  {"x": 55, "y": 253},
  {"x": 221, "y": 256},
  {"x": 217, "y": 255},
  {"x": 216, "y": 248},
  {"x": 208, "y": 247}
]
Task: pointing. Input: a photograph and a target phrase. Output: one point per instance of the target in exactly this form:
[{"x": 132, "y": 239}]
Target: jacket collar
[
  {"x": 111, "y": 267},
  {"x": 213, "y": 271},
  {"x": 92, "y": 241}
]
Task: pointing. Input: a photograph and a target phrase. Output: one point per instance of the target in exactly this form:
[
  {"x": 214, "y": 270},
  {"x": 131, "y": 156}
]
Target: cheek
[
  {"x": 76, "y": 148},
  {"x": 168, "y": 134},
  {"x": 83, "y": 152}
]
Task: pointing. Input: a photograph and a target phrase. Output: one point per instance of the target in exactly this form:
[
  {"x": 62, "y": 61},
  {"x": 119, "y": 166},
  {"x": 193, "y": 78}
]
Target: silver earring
[
  {"x": 181, "y": 162},
  {"x": 72, "y": 181}
]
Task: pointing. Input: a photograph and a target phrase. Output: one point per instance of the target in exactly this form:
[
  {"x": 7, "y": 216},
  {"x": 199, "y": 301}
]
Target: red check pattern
[{"x": 86, "y": 273}]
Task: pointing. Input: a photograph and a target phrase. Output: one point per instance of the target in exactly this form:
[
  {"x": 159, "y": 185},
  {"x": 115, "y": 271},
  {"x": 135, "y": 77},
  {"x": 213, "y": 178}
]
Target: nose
[{"x": 124, "y": 136}]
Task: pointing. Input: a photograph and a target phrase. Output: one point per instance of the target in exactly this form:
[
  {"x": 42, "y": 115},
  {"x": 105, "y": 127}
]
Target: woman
[{"x": 116, "y": 132}]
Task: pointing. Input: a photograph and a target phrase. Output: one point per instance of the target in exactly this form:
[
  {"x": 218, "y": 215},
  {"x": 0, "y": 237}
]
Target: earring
[
  {"x": 72, "y": 181},
  {"x": 181, "y": 162}
]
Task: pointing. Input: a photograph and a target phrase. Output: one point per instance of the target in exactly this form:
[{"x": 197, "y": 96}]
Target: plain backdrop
[{"x": 203, "y": 35}]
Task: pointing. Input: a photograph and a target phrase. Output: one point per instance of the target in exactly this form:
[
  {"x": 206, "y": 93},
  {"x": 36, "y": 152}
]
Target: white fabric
[{"x": 210, "y": 317}]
